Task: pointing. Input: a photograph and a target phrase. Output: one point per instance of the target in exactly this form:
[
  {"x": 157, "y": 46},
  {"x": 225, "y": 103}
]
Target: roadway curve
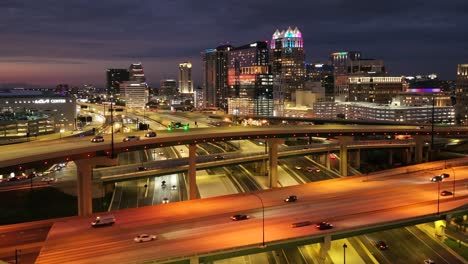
[
  {"x": 29, "y": 155},
  {"x": 202, "y": 227}
]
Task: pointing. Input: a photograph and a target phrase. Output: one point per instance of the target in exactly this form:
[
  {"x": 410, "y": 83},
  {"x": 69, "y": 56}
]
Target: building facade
[
  {"x": 373, "y": 89},
  {"x": 26, "y": 112},
  {"x": 185, "y": 78},
  {"x": 250, "y": 80},
  {"x": 461, "y": 94},
  {"x": 114, "y": 78},
  {"x": 135, "y": 91},
  {"x": 388, "y": 112},
  {"x": 215, "y": 76},
  {"x": 288, "y": 65},
  {"x": 168, "y": 89}
]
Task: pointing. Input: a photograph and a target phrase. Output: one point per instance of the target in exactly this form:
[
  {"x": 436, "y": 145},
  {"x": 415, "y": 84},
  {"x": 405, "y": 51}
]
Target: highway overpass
[{"x": 200, "y": 230}]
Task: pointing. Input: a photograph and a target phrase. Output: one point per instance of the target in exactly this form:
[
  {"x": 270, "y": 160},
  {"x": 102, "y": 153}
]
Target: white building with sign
[{"x": 35, "y": 112}]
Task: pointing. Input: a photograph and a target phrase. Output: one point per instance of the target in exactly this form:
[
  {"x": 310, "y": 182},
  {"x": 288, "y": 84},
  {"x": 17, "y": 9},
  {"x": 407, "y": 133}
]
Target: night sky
[{"x": 47, "y": 42}]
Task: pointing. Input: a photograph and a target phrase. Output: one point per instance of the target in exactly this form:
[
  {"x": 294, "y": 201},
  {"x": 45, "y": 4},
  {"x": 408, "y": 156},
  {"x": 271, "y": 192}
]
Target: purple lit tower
[{"x": 288, "y": 66}]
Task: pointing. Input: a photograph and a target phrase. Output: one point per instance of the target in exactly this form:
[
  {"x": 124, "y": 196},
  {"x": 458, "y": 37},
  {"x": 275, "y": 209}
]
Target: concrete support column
[
  {"x": 344, "y": 141},
  {"x": 439, "y": 226},
  {"x": 419, "y": 148},
  {"x": 273, "y": 161},
  {"x": 324, "y": 248},
  {"x": 407, "y": 155},
  {"x": 192, "y": 172},
  {"x": 194, "y": 260},
  {"x": 357, "y": 159},
  {"x": 84, "y": 184},
  {"x": 390, "y": 156},
  {"x": 84, "y": 172},
  {"x": 327, "y": 160}
]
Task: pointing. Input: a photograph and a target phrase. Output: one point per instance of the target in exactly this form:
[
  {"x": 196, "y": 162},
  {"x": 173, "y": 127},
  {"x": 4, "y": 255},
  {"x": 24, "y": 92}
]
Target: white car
[
  {"x": 144, "y": 238},
  {"x": 298, "y": 167},
  {"x": 429, "y": 261}
]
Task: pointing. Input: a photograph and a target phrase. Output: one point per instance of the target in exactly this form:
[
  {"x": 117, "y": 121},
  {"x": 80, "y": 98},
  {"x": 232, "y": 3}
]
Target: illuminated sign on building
[
  {"x": 50, "y": 101},
  {"x": 425, "y": 90}
]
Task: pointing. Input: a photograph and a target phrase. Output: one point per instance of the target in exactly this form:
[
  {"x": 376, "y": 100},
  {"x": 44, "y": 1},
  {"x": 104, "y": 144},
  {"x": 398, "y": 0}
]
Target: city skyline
[{"x": 75, "y": 42}]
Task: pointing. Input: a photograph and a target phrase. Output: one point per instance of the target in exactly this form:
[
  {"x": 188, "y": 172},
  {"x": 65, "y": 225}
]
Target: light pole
[
  {"x": 438, "y": 197},
  {"x": 453, "y": 170},
  {"x": 344, "y": 253},
  {"x": 263, "y": 219},
  {"x": 112, "y": 128}
]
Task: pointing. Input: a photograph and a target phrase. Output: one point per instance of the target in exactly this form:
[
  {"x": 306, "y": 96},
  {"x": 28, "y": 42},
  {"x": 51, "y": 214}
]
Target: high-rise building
[
  {"x": 461, "y": 94},
  {"x": 288, "y": 65},
  {"x": 168, "y": 89},
  {"x": 135, "y": 91},
  {"x": 250, "y": 81},
  {"x": 114, "y": 78},
  {"x": 350, "y": 64},
  {"x": 215, "y": 76},
  {"x": 185, "y": 78},
  {"x": 136, "y": 73},
  {"x": 323, "y": 73}
]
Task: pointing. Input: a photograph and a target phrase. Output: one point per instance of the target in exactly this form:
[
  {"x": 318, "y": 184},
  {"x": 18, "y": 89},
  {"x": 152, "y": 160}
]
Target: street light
[
  {"x": 438, "y": 197},
  {"x": 453, "y": 170},
  {"x": 344, "y": 253},
  {"x": 263, "y": 219},
  {"x": 112, "y": 128}
]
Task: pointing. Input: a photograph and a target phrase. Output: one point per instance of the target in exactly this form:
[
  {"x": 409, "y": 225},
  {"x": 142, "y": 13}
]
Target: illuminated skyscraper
[
  {"x": 250, "y": 81},
  {"x": 288, "y": 65},
  {"x": 185, "y": 78},
  {"x": 114, "y": 78},
  {"x": 348, "y": 64},
  {"x": 461, "y": 93},
  {"x": 215, "y": 76},
  {"x": 135, "y": 91},
  {"x": 136, "y": 73}
]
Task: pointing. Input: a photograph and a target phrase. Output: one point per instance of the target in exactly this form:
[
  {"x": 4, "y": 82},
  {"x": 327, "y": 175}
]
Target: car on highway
[
  {"x": 298, "y": 167},
  {"x": 445, "y": 175},
  {"x": 150, "y": 134},
  {"x": 131, "y": 138},
  {"x": 142, "y": 168},
  {"x": 310, "y": 169},
  {"x": 381, "y": 245},
  {"x": 103, "y": 221},
  {"x": 323, "y": 225},
  {"x": 144, "y": 238},
  {"x": 239, "y": 217},
  {"x": 429, "y": 261},
  {"x": 97, "y": 139},
  {"x": 446, "y": 193},
  {"x": 218, "y": 157},
  {"x": 165, "y": 200},
  {"x": 174, "y": 187},
  {"x": 290, "y": 198},
  {"x": 437, "y": 178}
]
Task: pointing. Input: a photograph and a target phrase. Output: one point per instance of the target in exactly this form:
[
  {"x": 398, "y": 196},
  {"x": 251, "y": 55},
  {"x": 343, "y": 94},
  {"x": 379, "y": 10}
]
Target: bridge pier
[
  {"x": 327, "y": 160},
  {"x": 192, "y": 172},
  {"x": 357, "y": 158},
  {"x": 344, "y": 140},
  {"x": 418, "y": 158},
  {"x": 407, "y": 156},
  {"x": 439, "y": 227},
  {"x": 84, "y": 169},
  {"x": 324, "y": 248},
  {"x": 194, "y": 260},
  {"x": 273, "y": 161},
  {"x": 390, "y": 156}
]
